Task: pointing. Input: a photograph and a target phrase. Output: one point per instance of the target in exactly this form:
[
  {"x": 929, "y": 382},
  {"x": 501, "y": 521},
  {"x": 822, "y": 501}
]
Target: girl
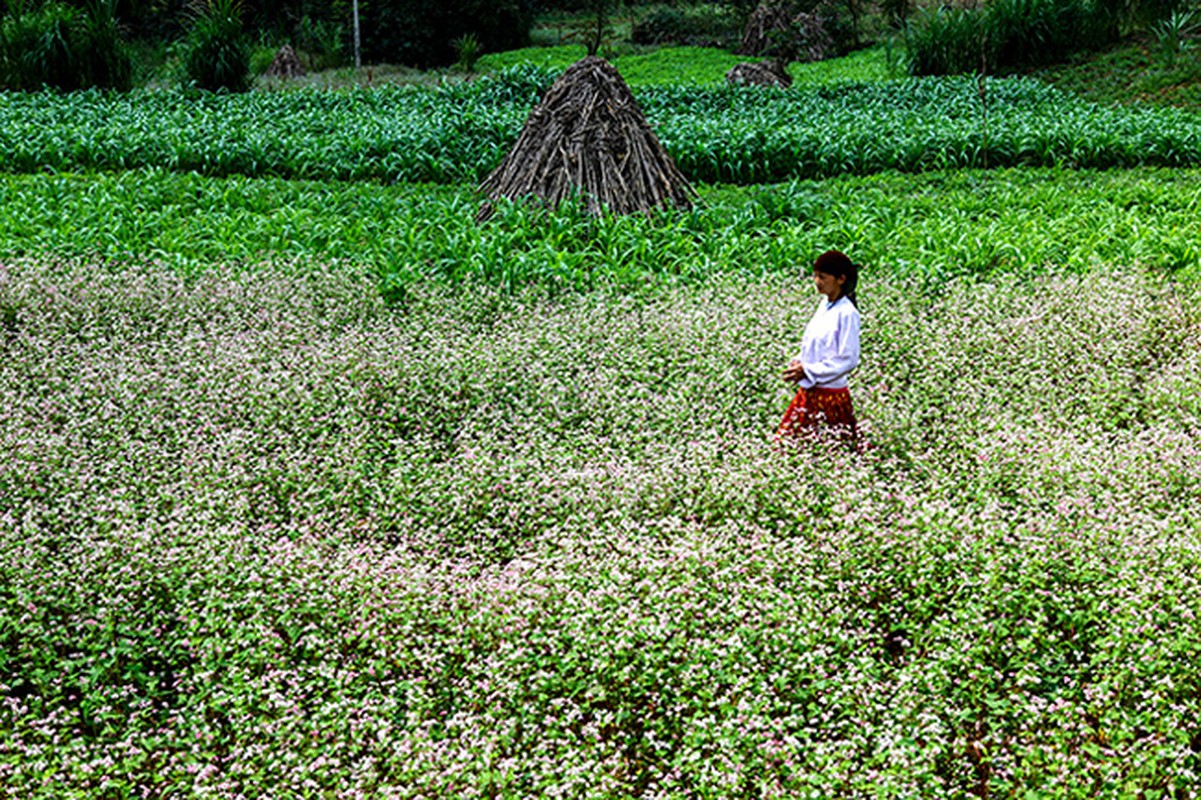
[{"x": 829, "y": 351}]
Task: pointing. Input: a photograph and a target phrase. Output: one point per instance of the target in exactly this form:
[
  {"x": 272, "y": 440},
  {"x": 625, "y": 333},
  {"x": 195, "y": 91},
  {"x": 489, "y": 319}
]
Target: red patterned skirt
[{"x": 816, "y": 408}]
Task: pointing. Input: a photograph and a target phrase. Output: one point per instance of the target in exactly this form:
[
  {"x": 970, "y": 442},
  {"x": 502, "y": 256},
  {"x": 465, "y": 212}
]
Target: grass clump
[
  {"x": 217, "y": 52},
  {"x": 1009, "y": 35},
  {"x": 58, "y": 46}
]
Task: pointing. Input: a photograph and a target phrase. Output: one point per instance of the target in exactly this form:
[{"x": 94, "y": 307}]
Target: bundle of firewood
[{"x": 588, "y": 140}]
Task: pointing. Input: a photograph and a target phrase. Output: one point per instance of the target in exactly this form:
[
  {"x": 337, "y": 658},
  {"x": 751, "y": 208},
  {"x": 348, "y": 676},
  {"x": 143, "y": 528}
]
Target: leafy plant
[
  {"x": 468, "y": 48},
  {"x": 217, "y": 50},
  {"x": 1176, "y": 34}
]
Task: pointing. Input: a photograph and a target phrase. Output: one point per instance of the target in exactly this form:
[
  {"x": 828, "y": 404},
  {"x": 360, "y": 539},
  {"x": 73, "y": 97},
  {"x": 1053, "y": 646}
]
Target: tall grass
[
  {"x": 108, "y": 62},
  {"x": 948, "y": 40},
  {"x": 1007, "y": 35},
  {"x": 61, "y": 47},
  {"x": 217, "y": 49}
]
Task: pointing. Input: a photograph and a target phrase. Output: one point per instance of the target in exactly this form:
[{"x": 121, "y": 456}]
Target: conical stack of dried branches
[
  {"x": 778, "y": 29},
  {"x": 285, "y": 64},
  {"x": 767, "y": 73},
  {"x": 588, "y": 138},
  {"x": 768, "y": 19}
]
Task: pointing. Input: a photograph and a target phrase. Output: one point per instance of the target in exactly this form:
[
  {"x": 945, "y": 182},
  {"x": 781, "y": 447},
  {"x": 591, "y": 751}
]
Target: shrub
[
  {"x": 661, "y": 26},
  {"x": 704, "y": 26},
  {"x": 217, "y": 50},
  {"x": 819, "y": 32},
  {"x": 64, "y": 48},
  {"x": 261, "y": 56},
  {"x": 1028, "y": 32},
  {"x": 37, "y": 49}
]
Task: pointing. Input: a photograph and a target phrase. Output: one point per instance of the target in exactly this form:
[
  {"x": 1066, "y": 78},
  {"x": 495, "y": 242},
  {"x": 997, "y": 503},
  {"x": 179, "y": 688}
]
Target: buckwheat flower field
[{"x": 263, "y": 535}]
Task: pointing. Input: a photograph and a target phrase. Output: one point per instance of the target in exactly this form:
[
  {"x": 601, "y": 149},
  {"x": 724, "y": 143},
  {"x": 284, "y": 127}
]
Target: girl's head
[{"x": 836, "y": 275}]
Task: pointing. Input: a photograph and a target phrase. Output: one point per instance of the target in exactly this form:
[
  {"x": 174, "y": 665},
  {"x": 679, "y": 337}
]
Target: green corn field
[{"x": 459, "y": 133}]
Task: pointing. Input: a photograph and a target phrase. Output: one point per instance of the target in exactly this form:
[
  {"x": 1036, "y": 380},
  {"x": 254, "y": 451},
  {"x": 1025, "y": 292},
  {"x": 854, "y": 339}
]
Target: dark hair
[{"x": 833, "y": 262}]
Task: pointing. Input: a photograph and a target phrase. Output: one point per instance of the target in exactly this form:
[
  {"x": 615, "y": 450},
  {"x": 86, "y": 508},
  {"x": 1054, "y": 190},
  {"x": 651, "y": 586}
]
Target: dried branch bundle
[
  {"x": 768, "y": 73},
  {"x": 766, "y": 19},
  {"x": 285, "y": 64},
  {"x": 588, "y": 138},
  {"x": 778, "y": 29}
]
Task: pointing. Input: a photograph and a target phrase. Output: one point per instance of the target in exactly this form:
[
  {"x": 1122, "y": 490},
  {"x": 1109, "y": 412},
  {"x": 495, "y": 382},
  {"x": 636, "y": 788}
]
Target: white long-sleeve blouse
[{"x": 830, "y": 347}]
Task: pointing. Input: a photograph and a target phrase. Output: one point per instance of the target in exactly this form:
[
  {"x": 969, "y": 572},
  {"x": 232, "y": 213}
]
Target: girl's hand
[{"x": 794, "y": 371}]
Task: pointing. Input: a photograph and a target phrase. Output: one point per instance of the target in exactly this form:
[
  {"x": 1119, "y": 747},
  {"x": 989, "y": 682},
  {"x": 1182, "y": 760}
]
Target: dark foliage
[
  {"x": 217, "y": 51},
  {"x": 800, "y": 30},
  {"x": 1010, "y": 35},
  {"x": 707, "y": 26},
  {"x": 171, "y": 19},
  {"x": 422, "y": 34},
  {"x": 106, "y": 59},
  {"x": 61, "y": 47}
]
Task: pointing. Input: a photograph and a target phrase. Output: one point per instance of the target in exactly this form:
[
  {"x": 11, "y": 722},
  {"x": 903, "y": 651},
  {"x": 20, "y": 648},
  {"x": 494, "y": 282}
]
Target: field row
[
  {"x": 265, "y": 536},
  {"x": 931, "y": 226},
  {"x": 704, "y": 66},
  {"x": 716, "y": 134}
]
